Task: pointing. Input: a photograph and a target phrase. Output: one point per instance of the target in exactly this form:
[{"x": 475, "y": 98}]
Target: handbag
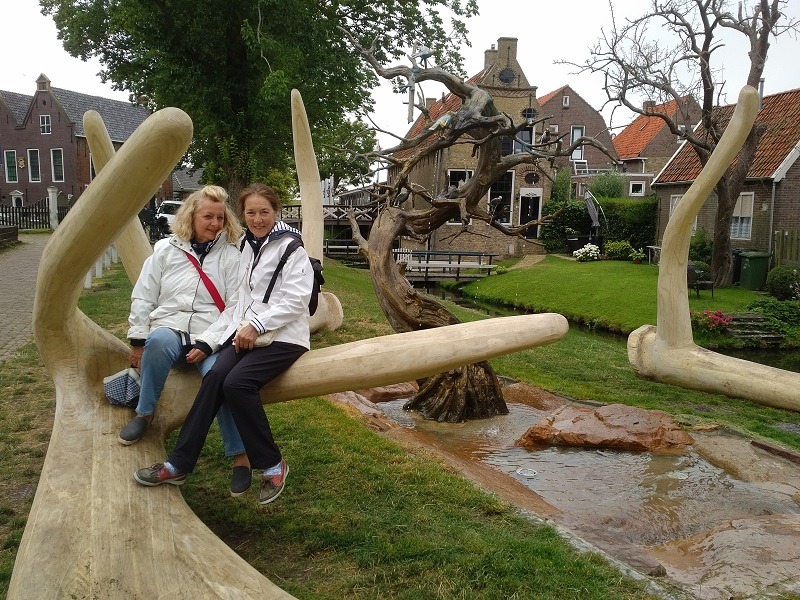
[
  {"x": 122, "y": 389},
  {"x": 264, "y": 339}
]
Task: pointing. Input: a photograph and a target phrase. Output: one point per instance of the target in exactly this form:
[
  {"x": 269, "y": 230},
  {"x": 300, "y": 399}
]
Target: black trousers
[{"x": 236, "y": 379}]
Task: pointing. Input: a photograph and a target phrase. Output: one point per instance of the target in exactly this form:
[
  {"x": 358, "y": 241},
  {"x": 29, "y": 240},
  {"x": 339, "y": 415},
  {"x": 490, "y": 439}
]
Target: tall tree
[
  {"x": 231, "y": 66},
  {"x": 669, "y": 53}
]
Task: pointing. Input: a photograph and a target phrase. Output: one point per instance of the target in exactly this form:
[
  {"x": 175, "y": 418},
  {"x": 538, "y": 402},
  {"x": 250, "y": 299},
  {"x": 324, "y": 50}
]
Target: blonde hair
[{"x": 183, "y": 225}]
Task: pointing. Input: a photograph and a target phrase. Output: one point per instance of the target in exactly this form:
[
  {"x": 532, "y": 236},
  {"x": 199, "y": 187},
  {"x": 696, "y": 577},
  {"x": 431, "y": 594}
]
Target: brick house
[
  {"x": 43, "y": 143},
  {"x": 770, "y": 200},
  {"x": 573, "y": 118},
  {"x": 645, "y": 146},
  {"x": 518, "y": 195}
]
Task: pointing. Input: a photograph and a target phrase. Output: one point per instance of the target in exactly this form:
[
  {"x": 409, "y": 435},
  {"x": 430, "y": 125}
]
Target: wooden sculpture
[
  {"x": 667, "y": 352},
  {"x": 92, "y": 531}
]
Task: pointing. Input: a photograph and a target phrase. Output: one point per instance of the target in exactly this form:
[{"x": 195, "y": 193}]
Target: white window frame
[
  {"x": 45, "y": 125},
  {"x": 742, "y": 219},
  {"x": 577, "y": 154},
  {"x": 53, "y": 152},
  {"x": 470, "y": 173},
  {"x": 636, "y": 194},
  {"x": 13, "y": 155},
  {"x": 673, "y": 202},
  {"x": 34, "y": 152},
  {"x": 565, "y": 101},
  {"x": 553, "y": 128},
  {"x": 683, "y": 129}
]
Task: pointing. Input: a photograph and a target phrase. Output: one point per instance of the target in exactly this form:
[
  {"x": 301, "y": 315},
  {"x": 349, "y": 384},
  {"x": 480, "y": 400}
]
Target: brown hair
[
  {"x": 183, "y": 225},
  {"x": 259, "y": 189}
]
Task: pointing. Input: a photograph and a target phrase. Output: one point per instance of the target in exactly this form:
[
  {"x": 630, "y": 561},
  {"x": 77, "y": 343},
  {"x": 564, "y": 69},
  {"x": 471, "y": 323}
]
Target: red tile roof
[
  {"x": 632, "y": 140},
  {"x": 779, "y": 112},
  {"x": 547, "y": 97}
]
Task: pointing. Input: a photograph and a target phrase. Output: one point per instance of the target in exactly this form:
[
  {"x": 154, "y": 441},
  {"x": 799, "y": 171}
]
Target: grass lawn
[
  {"x": 609, "y": 294},
  {"x": 361, "y": 516}
]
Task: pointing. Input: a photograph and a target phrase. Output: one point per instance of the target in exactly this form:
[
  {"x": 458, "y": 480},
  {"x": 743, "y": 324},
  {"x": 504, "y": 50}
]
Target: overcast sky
[{"x": 547, "y": 31}]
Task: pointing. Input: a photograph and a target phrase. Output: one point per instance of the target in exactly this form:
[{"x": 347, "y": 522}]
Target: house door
[{"x": 530, "y": 209}]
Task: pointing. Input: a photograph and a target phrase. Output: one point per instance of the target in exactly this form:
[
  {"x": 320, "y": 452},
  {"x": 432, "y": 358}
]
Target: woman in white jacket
[
  {"x": 244, "y": 366},
  {"x": 172, "y": 304}
]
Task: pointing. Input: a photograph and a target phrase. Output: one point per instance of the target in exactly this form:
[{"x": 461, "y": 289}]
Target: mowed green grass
[{"x": 608, "y": 294}]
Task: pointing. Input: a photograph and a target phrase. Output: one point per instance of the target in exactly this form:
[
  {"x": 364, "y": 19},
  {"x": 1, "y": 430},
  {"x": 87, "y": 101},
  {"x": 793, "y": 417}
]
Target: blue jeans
[{"x": 163, "y": 350}]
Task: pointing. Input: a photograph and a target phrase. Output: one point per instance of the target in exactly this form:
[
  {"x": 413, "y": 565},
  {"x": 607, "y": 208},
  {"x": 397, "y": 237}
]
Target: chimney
[
  {"x": 429, "y": 102},
  {"x": 489, "y": 57},
  {"x": 648, "y": 106},
  {"x": 507, "y": 49}
]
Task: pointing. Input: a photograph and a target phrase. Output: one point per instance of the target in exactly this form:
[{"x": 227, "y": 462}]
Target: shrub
[
  {"x": 714, "y": 323},
  {"x": 618, "y": 250},
  {"x": 637, "y": 255},
  {"x": 702, "y": 269},
  {"x": 784, "y": 311},
  {"x": 700, "y": 247},
  {"x": 587, "y": 253},
  {"x": 562, "y": 186},
  {"x": 784, "y": 283},
  {"x": 631, "y": 220},
  {"x": 572, "y": 221},
  {"x": 610, "y": 185}
]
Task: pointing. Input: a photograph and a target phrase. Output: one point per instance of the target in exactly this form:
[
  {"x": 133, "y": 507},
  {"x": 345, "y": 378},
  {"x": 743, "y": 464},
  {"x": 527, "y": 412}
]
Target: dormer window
[{"x": 44, "y": 124}]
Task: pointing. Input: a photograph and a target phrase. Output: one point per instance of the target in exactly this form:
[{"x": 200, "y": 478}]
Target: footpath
[{"x": 18, "y": 269}]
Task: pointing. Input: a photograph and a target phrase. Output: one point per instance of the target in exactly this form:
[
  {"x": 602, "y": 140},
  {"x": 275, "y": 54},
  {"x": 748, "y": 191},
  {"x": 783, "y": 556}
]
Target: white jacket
[
  {"x": 287, "y": 308},
  {"x": 170, "y": 293}
]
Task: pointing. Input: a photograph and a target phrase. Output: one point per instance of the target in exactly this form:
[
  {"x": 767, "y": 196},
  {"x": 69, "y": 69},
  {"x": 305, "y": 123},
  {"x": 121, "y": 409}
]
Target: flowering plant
[
  {"x": 714, "y": 322},
  {"x": 637, "y": 254},
  {"x": 587, "y": 253}
]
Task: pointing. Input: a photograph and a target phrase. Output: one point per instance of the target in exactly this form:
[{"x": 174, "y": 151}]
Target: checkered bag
[{"x": 122, "y": 389}]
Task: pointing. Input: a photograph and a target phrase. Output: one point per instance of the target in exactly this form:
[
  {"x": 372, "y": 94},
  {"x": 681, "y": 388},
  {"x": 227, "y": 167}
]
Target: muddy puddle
[{"x": 619, "y": 501}]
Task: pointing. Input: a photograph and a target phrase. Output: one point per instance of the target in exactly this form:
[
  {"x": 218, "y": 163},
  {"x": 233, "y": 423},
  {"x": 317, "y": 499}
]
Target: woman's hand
[
  {"x": 135, "y": 356},
  {"x": 195, "y": 355},
  {"x": 245, "y": 338}
]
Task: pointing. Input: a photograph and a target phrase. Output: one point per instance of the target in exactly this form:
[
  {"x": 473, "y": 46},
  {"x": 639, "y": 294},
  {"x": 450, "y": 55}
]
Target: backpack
[{"x": 316, "y": 265}]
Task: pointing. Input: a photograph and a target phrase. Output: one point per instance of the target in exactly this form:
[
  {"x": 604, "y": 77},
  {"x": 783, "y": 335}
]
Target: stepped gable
[{"x": 779, "y": 112}]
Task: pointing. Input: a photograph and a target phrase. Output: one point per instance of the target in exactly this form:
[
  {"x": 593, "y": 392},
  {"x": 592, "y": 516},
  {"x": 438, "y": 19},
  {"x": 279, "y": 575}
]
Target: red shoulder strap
[{"x": 207, "y": 281}]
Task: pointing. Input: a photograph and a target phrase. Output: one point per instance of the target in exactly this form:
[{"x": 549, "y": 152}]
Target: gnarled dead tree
[{"x": 406, "y": 209}]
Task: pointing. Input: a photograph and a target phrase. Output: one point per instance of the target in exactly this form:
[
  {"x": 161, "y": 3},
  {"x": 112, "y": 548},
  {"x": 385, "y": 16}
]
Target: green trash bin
[{"x": 754, "y": 270}]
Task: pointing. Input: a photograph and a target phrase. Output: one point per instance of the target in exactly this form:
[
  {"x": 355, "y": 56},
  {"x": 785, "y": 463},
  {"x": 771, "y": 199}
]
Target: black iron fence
[{"x": 33, "y": 216}]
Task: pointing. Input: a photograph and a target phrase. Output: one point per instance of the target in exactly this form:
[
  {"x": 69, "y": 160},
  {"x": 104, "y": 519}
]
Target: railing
[
  {"x": 435, "y": 265},
  {"x": 331, "y": 212},
  {"x": 33, "y": 216},
  {"x": 340, "y": 248},
  {"x": 787, "y": 247}
]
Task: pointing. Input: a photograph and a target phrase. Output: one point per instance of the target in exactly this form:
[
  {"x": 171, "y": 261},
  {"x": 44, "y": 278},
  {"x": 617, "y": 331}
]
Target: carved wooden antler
[
  {"x": 667, "y": 352},
  {"x": 92, "y": 531}
]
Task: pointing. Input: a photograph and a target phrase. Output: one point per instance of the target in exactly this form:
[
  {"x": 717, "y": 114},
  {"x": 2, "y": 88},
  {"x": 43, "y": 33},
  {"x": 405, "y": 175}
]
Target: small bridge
[{"x": 439, "y": 265}]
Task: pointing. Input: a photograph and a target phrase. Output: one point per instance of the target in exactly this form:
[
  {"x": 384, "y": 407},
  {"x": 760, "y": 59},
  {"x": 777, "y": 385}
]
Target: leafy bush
[
  {"x": 702, "y": 269},
  {"x": 700, "y": 247},
  {"x": 637, "y": 255},
  {"x": 783, "y": 311},
  {"x": 572, "y": 219},
  {"x": 618, "y": 250},
  {"x": 714, "y": 323},
  {"x": 631, "y": 220},
  {"x": 784, "y": 283},
  {"x": 562, "y": 186},
  {"x": 610, "y": 185}
]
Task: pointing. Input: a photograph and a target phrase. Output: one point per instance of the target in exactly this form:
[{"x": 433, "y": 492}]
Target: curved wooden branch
[
  {"x": 667, "y": 352},
  {"x": 329, "y": 314}
]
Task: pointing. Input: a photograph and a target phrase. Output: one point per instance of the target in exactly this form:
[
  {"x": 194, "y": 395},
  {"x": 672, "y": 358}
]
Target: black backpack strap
[{"x": 293, "y": 245}]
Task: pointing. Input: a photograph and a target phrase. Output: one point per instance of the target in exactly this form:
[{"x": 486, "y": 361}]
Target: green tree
[
  {"x": 608, "y": 185},
  {"x": 231, "y": 66}
]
